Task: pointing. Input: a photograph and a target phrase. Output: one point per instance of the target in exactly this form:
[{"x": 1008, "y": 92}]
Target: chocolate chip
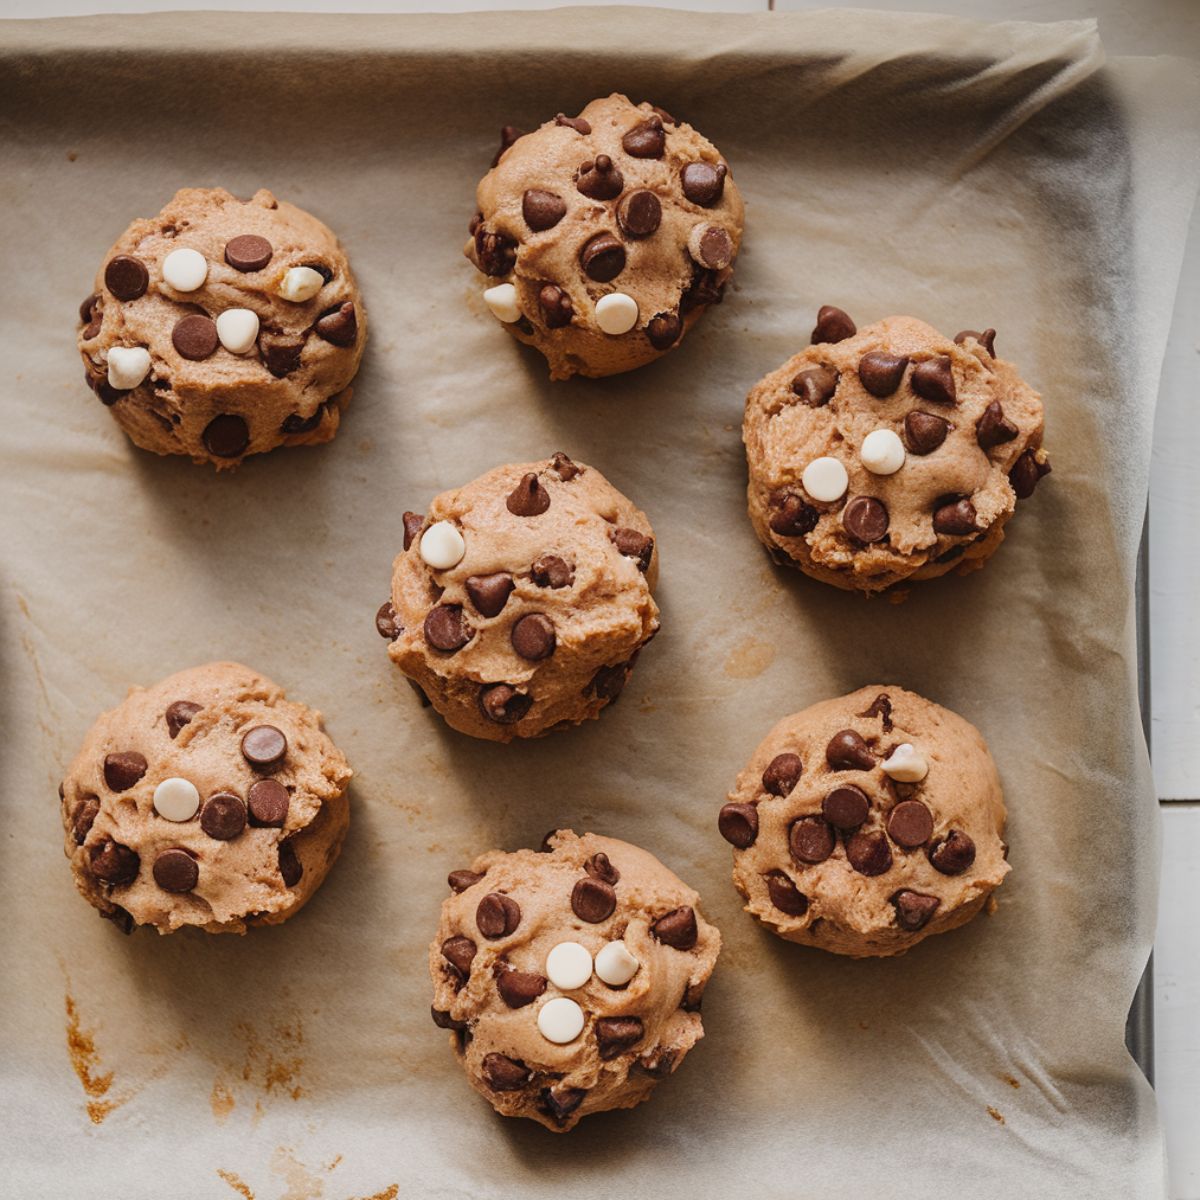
[
  {"x": 113, "y": 863},
  {"x": 790, "y": 515},
  {"x": 489, "y": 594},
  {"x": 881, "y": 372},
  {"x": 615, "y": 1035},
  {"x": 224, "y": 815},
  {"x": 848, "y": 752},
  {"x": 993, "y": 428},
  {"x": 126, "y": 277},
  {"x": 865, "y": 519},
  {"x": 338, "y": 325},
  {"x": 462, "y": 879},
  {"x": 608, "y": 682},
  {"x": 600, "y": 180},
  {"x": 785, "y": 895},
  {"x": 291, "y": 870},
  {"x": 84, "y": 817},
  {"x": 556, "y": 306},
  {"x": 496, "y": 253},
  {"x": 528, "y": 498},
  {"x": 194, "y": 337},
  {"x": 703, "y": 183},
  {"x": 443, "y": 1020},
  {"x": 640, "y": 213},
  {"x": 782, "y": 774},
  {"x": 294, "y": 423},
  {"x": 269, "y": 802},
  {"x": 412, "y": 527},
  {"x": 508, "y": 135},
  {"x": 910, "y": 824},
  {"x": 579, "y": 124},
  {"x": 504, "y": 1074},
  {"x": 178, "y": 714},
  {"x": 248, "y": 252},
  {"x": 561, "y": 1103},
  {"x": 326, "y": 273},
  {"x": 542, "y": 209},
  {"x": 123, "y": 769},
  {"x": 533, "y": 637},
  {"x": 459, "y": 952},
  {"x": 846, "y": 807},
  {"x": 387, "y": 625},
  {"x": 955, "y": 517},
  {"x": 226, "y": 436},
  {"x": 810, "y": 840},
  {"x": 738, "y": 824},
  {"x": 89, "y": 314},
  {"x": 602, "y": 257},
  {"x": 564, "y": 468},
  {"x": 175, "y": 870},
  {"x": 280, "y": 353},
  {"x": 677, "y": 928},
  {"x": 646, "y": 140},
  {"x": 933, "y": 380},
  {"x": 593, "y": 900},
  {"x": 693, "y": 996},
  {"x": 953, "y": 854},
  {"x": 913, "y": 909},
  {"x": 599, "y": 867},
  {"x": 635, "y": 545},
  {"x": 445, "y": 628},
  {"x": 503, "y": 704},
  {"x": 497, "y": 915},
  {"x": 881, "y": 707},
  {"x": 714, "y": 248},
  {"x": 663, "y": 330},
  {"x": 816, "y": 386},
  {"x": 1026, "y": 472},
  {"x": 833, "y": 325},
  {"x": 868, "y": 853},
  {"x": 551, "y": 571},
  {"x": 706, "y": 288},
  {"x": 667, "y": 119},
  {"x": 518, "y": 988},
  {"x": 924, "y": 432},
  {"x": 263, "y": 746},
  {"x": 987, "y": 339}
]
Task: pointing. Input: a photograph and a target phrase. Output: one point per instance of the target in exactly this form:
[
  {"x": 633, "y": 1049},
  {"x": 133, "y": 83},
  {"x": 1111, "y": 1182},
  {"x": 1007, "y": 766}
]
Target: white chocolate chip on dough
[
  {"x": 825, "y": 479},
  {"x": 905, "y": 764},
  {"x": 127, "y": 366},
  {"x": 185, "y": 269},
  {"x": 560, "y": 1020},
  {"x": 300, "y": 283},
  {"x": 502, "y": 300},
  {"x": 615, "y": 965},
  {"x": 882, "y": 452},
  {"x": 238, "y": 330},
  {"x": 569, "y": 966},
  {"x": 442, "y": 546},
  {"x": 176, "y": 799},
  {"x": 616, "y": 313}
]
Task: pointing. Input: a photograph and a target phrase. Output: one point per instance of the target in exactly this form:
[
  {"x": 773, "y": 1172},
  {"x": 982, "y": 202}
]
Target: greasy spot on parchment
[
  {"x": 996, "y": 1115},
  {"x": 1012, "y": 1083},
  {"x": 97, "y": 1083},
  {"x": 221, "y": 1101},
  {"x": 749, "y": 658},
  {"x": 236, "y": 1183},
  {"x": 302, "y": 1182},
  {"x": 273, "y": 1061}
]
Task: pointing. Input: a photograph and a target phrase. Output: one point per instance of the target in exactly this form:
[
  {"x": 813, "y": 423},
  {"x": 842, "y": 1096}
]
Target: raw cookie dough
[
  {"x": 520, "y": 963},
  {"x": 605, "y": 236},
  {"x": 890, "y": 454},
  {"x": 521, "y": 601},
  {"x": 864, "y": 824},
  {"x": 207, "y": 800},
  {"x": 223, "y": 327}
]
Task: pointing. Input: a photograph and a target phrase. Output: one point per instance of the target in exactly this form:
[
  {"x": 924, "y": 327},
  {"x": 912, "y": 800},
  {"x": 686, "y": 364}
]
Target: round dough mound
[
  {"x": 621, "y": 199},
  {"x": 258, "y": 850},
  {"x": 830, "y": 851},
  {"x": 489, "y": 968},
  {"x": 539, "y": 624},
  {"x": 972, "y": 449},
  {"x": 289, "y": 384}
]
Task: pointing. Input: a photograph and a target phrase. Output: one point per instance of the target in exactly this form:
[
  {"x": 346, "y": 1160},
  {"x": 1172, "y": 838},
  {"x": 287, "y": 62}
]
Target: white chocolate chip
[
  {"x": 615, "y": 965},
  {"x": 560, "y": 1020},
  {"x": 185, "y": 270},
  {"x": 442, "y": 546},
  {"x": 905, "y": 765},
  {"x": 569, "y": 966},
  {"x": 176, "y": 799},
  {"x": 616, "y": 313},
  {"x": 825, "y": 479},
  {"x": 502, "y": 300},
  {"x": 300, "y": 283},
  {"x": 882, "y": 452},
  {"x": 238, "y": 330},
  {"x": 127, "y": 366}
]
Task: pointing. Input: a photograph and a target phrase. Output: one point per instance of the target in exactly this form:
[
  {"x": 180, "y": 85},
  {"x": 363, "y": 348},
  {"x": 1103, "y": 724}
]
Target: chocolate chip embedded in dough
[
  {"x": 503, "y": 704},
  {"x": 677, "y": 928},
  {"x": 281, "y": 353},
  {"x": 711, "y": 246},
  {"x": 953, "y": 854},
  {"x": 84, "y": 817},
  {"x": 924, "y": 432},
  {"x": 226, "y": 436},
  {"x": 291, "y": 870},
  {"x": 387, "y": 623},
  {"x": 993, "y": 428},
  {"x": 462, "y": 879},
  {"x": 785, "y": 895},
  {"x": 848, "y": 752},
  {"x": 264, "y": 746},
  {"x": 602, "y": 257},
  {"x": 443, "y": 1020},
  {"x": 933, "y": 380},
  {"x": 113, "y": 863},
  {"x": 459, "y": 952},
  {"x": 633, "y": 544},
  {"x": 640, "y": 213},
  {"x": 646, "y": 139},
  {"x": 663, "y": 330},
  {"x": 846, "y": 807},
  {"x": 223, "y": 816},
  {"x": 599, "y": 867},
  {"x": 816, "y": 386},
  {"x": 913, "y": 909},
  {"x": 880, "y": 707},
  {"x": 248, "y": 252},
  {"x": 175, "y": 870},
  {"x": 497, "y": 915},
  {"x": 564, "y": 468},
  {"x": 496, "y": 253},
  {"x": 446, "y": 629},
  {"x": 560, "y": 1103},
  {"x": 489, "y": 593},
  {"x": 508, "y": 135},
  {"x": 550, "y": 571},
  {"x": 533, "y": 637},
  {"x": 608, "y": 682},
  {"x": 413, "y": 523},
  {"x": 295, "y": 423},
  {"x": 542, "y": 209},
  {"x": 529, "y": 498},
  {"x": 195, "y": 337},
  {"x": 593, "y": 900},
  {"x": 738, "y": 824},
  {"x": 556, "y": 307},
  {"x": 810, "y": 840},
  {"x": 1026, "y": 472},
  {"x": 881, "y": 372},
  {"x": 89, "y": 314},
  {"x": 599, "y": 179},
  {"x": 910, "y": 824},
  {"x": 180, "y": 713},
  {"x": 833, "y": 325},
  {"x": 504, "y": 1074},
  {"x": 866, "y": 519},
  {"x": 123, "y": 769},
  {"x": 268, "y": 801},
  {"x": 868, "y": 853},
  {"x": 782, "y": 774},
  {"x": 955, "y": 517},
  {"x": 791, "y": 516},
  {"x": 126, "y": 277},
  {"x": 615, "y": 1035},
  {"x": 338, "y": 325},
  {"x": 579, "y": 124},
  {"x": 703, "y": 183},
  {"x": 518, "y": 988},
  {"x": 987, "y": 339}
]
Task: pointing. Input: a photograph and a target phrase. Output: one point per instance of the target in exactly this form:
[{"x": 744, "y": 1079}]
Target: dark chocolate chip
[
  {"x": 816, "y": 386},
  {"x": 833, "y": 325},
  {"x": 703, "y": 183},
  {"x": 489, "y": 593},
  {"x": 846, "y": 807},
  {"x": 503, "y": 704},
  {"x": 387, "y": 625},
  {"x": 564, "y": 468},
  {"x": 848, "y": 752},
  {"x": 810, "y": 839},
  {"x": 87, "y": 310},
  {"x": 910, "y": 824},
  {"x": 550, "y": 571},
  {"x": 579, "y": 124},
  {"x": 715, "y": 248},
  {"x": 294, "y": 423},
  {"x": 782, "y": 774},
  {"x": 123, "y": 769},
  {"x": 264, "y": 746},
  {"x": 443, "y": 1020},
  {"x": 913, "y": 909},
  {"x": 496, "y": 253},
  {"x": 633, "y": 544},
  {"x": 866, "y": 519},
  {"x": 126, "y": 277},
  {"x": 338, "y": 325},
  {"x": 1026, "y": 472},
  {"x": 706, "y": 288},
  {"x": 326, "y": 273},
  {"x": 194, "y": 337},
  {"x": 412, "y": 527},
  {"x": 640, "y": 213},
  {"x": 602, "y": 257},
  {"x": 280, "y": 353},
  {"x": 518, "y": 988},
  {"x": 508, "y": 135},
  {"x": 84, "y": 817},
  {"x": 593, "y": 900},
  {"x": 504, "y": 1074},
  {"x": 987, "y": 339},
  {"x": 291, "y": 870},
  {"x": 881, "y": 707},
  {"x": 608, "y": 682},
  {"x": 542, "y": 209},
  {"x": 924, "y": 431},
  {"x": 667, "y": 119},
  {"x": 955, "y": 517},
  {"x": 600, "y": 180},
  {"x": 881, "y": 372},
  {"x": 738, "y": 824},
  {"x": 677, "y": 928},
  {"x": 528, "y": 498},
  {"x": 663, "y": 330},
  {"x": 560, "y": 1103},
  {"x": 790, "y": 515},
  {"x": 226, "y": 436},
  {"x": 599, "y": 867},
  {"x": 113, "y": 863},
  {"x": 178, "y": 714},
  {"x": 933, "y": 380},
  {"x": 459, "y": 952},
  {"x": 248, "y": 252},
  {"x": 269, "y": 801},
  {"x": 223, "y": 816},
  {"x": 693, "y": 997},
  {"x": 869, "y": 853},
  {"x": 462, "y": 879},
  {"x": 646, "y": 139},
  {"x": 615, "y": 1035},
  {"x": 533, "y": 637},
  {"x": 993, "y": 428},
  {"x": 497, "y": 915},
  {"x": 785, "y": 895},
  {"x": 175, "y": 870},
  {"x": 556, "y": 306},
  {"x": 953, "y": 854},
  {"x": 445, "y": 628}
]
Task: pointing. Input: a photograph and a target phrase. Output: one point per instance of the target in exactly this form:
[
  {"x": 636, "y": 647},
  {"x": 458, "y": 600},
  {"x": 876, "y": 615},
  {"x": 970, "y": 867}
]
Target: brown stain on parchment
[
  {"x": 996, "y": 1115},
  {"x": 302, "y": 1183},
  {"x": 1012, "y": 1083},
  {"x": 221, "y": 1101},
  {"x": 236, "y": 1183},
  {"x": 749, "y": 659},
  {"x": 85, "y": 1059},
  {"x": 271, "y": 1066},
  {"x": 388, "y": 1193}
]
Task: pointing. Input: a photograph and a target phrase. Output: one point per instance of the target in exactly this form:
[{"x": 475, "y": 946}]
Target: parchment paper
[{"x": 970, "y": 175}]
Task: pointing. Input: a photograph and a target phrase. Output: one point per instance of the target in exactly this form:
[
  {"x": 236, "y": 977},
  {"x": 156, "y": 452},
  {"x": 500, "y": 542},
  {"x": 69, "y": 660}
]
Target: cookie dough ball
[
  {"x": 862, "y": 825},
  {"x": 571, "y": 978},
  {"x": 890, "y": 454},
  {"x": 521, "y": 601},
  {"x": 223, "y": 327},
  {"x": 605, "y": 236},
  {"x": 208, "y": 800}
]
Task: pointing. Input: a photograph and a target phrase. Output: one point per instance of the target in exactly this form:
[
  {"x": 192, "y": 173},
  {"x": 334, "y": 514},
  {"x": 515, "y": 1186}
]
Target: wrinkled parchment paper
[{"x": 970, "y": 175}]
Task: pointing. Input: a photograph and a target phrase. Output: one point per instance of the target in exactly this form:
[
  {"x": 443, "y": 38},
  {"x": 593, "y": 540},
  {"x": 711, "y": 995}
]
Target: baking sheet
[{"x": 971, "y": 175}]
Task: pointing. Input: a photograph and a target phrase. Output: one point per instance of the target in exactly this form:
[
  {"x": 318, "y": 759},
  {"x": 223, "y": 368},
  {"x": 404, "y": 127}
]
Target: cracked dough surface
[
  {"x": 662, "y": 275},
  {"x": 558, "y": 1084},
  {"x": 292, "y": 385},
  {"x": 597, "y": 599},
  {"x": 240, "y": 879},
  {"x": 783, "y": 433},
  {"x": 846, "y": 911}
]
